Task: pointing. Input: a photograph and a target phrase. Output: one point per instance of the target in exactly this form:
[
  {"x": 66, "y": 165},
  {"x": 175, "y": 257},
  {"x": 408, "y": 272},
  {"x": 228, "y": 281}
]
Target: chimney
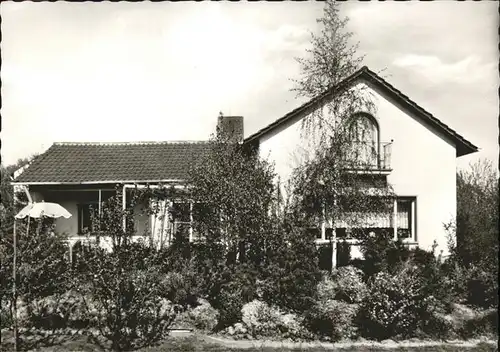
[{"x": 230, "y": 128}]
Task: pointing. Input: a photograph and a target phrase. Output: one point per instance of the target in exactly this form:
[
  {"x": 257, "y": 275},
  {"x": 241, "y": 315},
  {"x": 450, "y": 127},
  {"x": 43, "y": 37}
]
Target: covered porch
[{"x": 87, "y": 202}]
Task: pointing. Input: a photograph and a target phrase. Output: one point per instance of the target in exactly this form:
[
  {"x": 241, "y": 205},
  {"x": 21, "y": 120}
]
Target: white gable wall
[{"x": 423, "y": 163}]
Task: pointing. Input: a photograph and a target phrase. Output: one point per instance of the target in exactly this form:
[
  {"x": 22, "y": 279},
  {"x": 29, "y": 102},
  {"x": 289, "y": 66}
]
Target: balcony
[{"x": 363, "y": 157}]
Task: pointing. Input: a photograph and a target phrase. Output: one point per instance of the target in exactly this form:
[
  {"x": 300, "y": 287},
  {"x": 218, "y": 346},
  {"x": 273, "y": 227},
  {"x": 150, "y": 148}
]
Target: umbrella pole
[{"x": 14, "y": 292}]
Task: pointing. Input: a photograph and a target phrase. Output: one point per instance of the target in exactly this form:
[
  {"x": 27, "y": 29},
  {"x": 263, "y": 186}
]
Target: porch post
[
  {"x": 323, "y": 225},
  {"x": 98, "y": 239},
  {"x": 191, "y": 221},
  {"x": 70, "y": 245},
  {"x": 100, "y": 200},
  {"x": 124, "y": 206},
  {"x": 413, "y": 225},
  {"x": 395, "y": 216},
  {"x": 334, "y": 247}
]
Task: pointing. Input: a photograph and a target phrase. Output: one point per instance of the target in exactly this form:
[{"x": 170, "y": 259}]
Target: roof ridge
[
  {"x": 131, "y": 143},
  {"x": 369, "y": 76}
]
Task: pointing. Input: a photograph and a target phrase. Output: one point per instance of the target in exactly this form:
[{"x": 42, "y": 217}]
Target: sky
[{"x": 123, "y": 71}]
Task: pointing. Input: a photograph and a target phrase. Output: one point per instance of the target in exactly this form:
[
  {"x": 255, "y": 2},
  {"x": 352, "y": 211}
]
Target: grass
[{"x": 197, "y": 344}]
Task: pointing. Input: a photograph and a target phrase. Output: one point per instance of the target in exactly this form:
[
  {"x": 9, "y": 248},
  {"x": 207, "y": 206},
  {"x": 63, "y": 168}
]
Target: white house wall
[{"x": 423, "y": 163}]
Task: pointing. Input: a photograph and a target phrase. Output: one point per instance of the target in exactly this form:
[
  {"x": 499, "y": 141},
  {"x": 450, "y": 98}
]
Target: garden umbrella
[
  {"x": 32, "y": 210},
  {"x": 37, "y": 210}
]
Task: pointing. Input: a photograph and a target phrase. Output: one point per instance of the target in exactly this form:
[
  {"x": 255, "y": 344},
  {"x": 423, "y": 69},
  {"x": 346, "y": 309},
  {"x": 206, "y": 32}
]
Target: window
[
  {"x": 183, "y": 216},
  {"x": 86, "y": 213},
  {"x": 405, "y": 218},
  {"x": 364, "y": 137},
  {"x": 197, "y": 210},
  {"x": 314, "y": 232}
]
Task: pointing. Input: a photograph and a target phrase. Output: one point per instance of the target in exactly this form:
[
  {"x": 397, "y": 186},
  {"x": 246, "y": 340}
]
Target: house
[{"x": 414, "y": 151}]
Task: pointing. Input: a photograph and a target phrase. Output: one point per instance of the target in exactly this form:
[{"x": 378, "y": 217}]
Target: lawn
[{"x": 203, "y": 343}]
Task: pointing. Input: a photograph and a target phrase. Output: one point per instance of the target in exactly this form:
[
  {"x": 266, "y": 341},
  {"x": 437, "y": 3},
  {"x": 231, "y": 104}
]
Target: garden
[{"x": 253, "y": 280}]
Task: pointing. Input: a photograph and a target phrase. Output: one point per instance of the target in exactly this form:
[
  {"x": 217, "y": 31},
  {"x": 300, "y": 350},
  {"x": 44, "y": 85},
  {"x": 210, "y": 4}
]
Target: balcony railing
[{"x": 369, "y": 156}]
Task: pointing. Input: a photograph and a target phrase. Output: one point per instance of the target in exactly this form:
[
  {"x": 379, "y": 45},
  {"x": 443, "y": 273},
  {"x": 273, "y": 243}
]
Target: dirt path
[{"x": 389, "y": 344}]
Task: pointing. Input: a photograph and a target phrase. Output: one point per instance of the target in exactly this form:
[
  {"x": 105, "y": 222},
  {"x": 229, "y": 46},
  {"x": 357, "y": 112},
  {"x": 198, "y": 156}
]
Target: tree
[
  {"x": 477, "y": 214},
  {"x": 475, "y": 248},
  {"x": 233, "y": 192},
  {"x": 327, "y": 186}
]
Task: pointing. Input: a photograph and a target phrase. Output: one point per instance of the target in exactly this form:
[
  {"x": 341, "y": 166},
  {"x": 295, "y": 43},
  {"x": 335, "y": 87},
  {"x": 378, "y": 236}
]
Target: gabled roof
[
  {"x": 74, "y": 163},
  {"x": 376, "y": 82}
]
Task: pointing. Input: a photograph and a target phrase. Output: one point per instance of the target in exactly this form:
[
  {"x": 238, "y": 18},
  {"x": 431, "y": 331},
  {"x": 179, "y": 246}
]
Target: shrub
[
  {"x": 483, "y": 324},
  {"x": 204, "y": 316},
  {"x": 292, "y": 326},
  {"x": 292, "y": 271},
  {"x": 397, "y": 306},
  {"x": 333, "y": 319},
  {"x": 232, "y": 287},
  {"x": 58, "y": 311},
  {"x": 482, "y": 287},
  {"x": 129, "y": 297},
  {"x": 382, "y": 254},
  {"x": 345, "y": 283},
  {"x": 5, "y": 316},
  {"x": 259, "y": 319}
]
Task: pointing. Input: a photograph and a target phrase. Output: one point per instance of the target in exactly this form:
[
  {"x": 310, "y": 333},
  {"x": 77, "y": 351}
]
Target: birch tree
[{"x": 327, "y": 186}]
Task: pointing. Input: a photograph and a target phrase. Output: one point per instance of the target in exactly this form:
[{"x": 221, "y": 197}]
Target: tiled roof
[
  {"x": 113, "y": 162},
  {"x": 463, "y": 146}
]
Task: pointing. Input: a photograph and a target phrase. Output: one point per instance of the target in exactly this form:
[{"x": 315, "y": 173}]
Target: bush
[
  {"x": 345, "y": 284},
  {"x": 129, "y": 297},
  {"x": 58, "y": 311},
  {"x": 397, "y": 306},
  {"x": 5, "y": 316},
  {"x": 259, "y": 319},
  {"x": 382, "y": 254},
  {"x": 292, "y": 272},
  {"x": 333, "y": 319},
  {"x": 483, "y": 324},
  {"x": 482, "y": 287},
  {"x": 204, "y": 316},
  {"x": 231, "y": 288}
]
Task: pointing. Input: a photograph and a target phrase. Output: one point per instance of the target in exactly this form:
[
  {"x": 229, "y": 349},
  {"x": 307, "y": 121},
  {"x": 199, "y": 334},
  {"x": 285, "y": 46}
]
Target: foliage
[
  {"x": 133, "y": 293},
  {"x": 333, "y": 319},
  {"x": 474, "y": 235},
  {"x": 483, "y": 324},
  {"x": 204, "y": 316},
  {"x": 398, "y": 306},
  {"x": 237, "y": 285},
  {"x": 42, "y": 269},
  {"x": 477, "y": 215},
  {"x": 58, "y": 311},
  {"x": 344, "y": 284},
  {"x": 260, "y": 319},
  {"x": 330, "y": 59},
  {"x": 235, "y": 191},
  {"x": 8, "y": 208},
  {"x": 291, "y": 272},
  {"x": 382, "y": 254}
]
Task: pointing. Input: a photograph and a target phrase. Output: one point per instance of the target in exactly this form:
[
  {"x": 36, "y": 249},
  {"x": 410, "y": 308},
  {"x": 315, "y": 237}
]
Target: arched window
[{"x": 364, "y": 135}]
